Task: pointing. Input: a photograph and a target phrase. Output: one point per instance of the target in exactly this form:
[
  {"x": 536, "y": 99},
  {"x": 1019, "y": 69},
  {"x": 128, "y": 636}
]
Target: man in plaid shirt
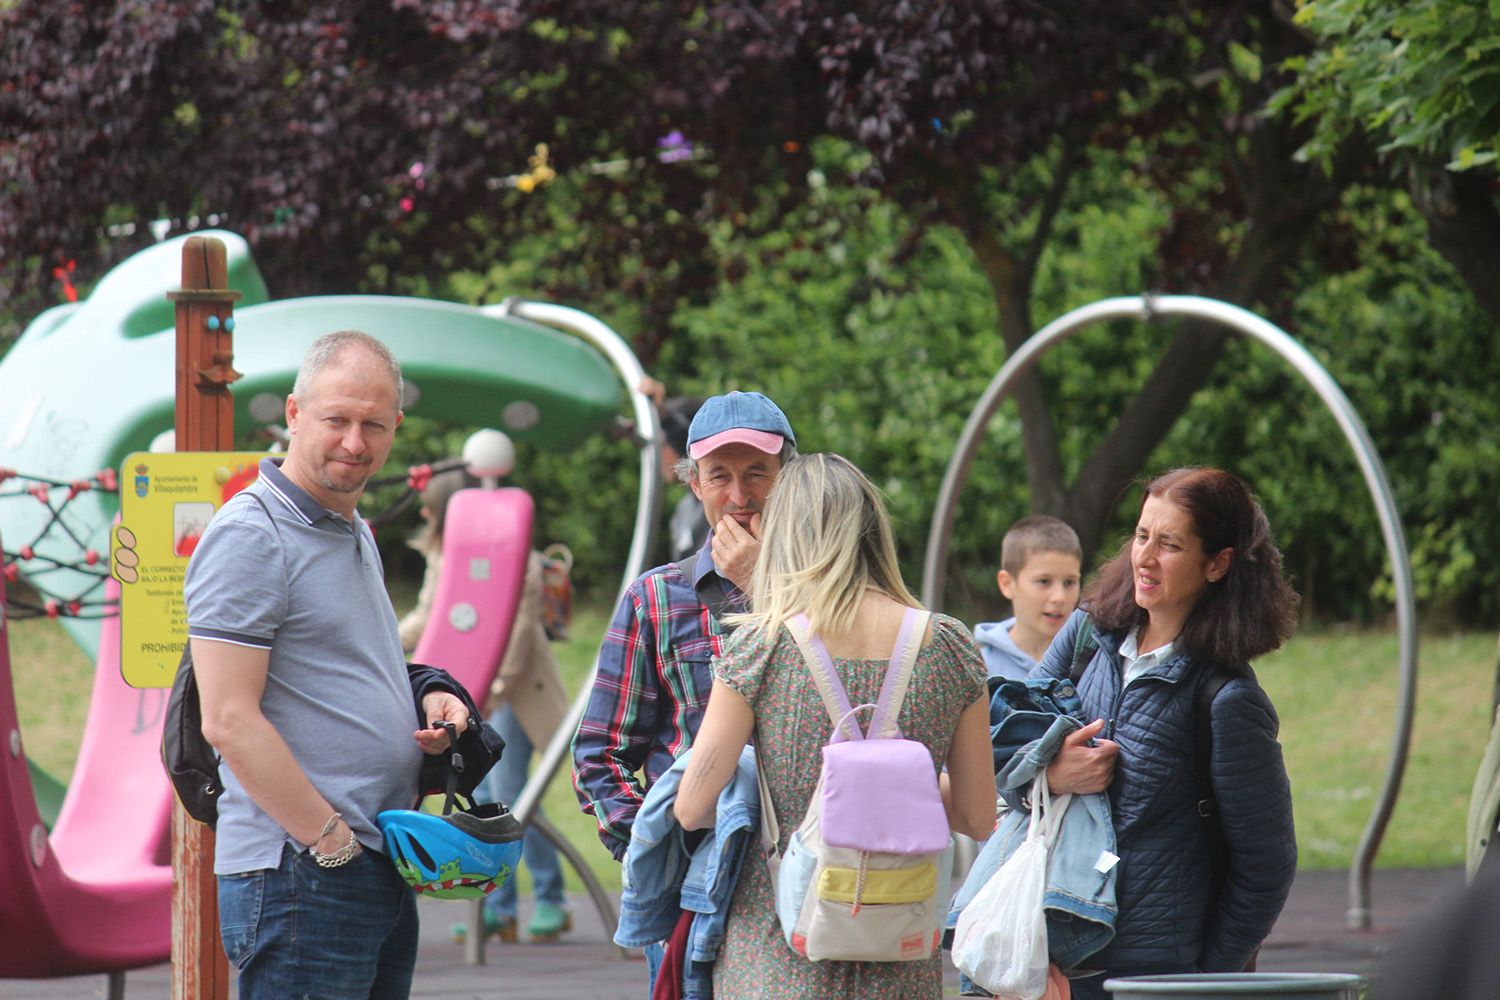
[{"x": 654, "y": 678}]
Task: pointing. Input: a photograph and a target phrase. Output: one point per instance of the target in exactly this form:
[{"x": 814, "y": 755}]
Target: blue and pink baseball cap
[{"x": 739, "y": 418}]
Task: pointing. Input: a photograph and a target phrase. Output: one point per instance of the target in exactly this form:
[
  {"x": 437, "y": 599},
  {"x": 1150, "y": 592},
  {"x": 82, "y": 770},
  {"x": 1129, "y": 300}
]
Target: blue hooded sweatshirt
[{"x": 1002, "y": 657}]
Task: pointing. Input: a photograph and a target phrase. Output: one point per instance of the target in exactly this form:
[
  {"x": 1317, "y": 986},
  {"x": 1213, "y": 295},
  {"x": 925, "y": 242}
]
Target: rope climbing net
[
  {"x": 36, "y": 558},
  {"x": 39, "y": 563}
]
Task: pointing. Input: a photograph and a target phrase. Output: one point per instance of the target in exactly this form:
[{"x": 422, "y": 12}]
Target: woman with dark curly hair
[{"x": 1195, "y": 595}]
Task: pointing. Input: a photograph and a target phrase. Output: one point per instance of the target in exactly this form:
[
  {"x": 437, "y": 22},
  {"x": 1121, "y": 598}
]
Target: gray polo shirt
[{"x": 310, "y": 589}]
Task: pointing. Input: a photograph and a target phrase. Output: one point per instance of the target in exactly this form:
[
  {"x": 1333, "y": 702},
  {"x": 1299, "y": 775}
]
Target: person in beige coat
[
  {"x": 526, "y": 703},
  {"x": 1483, "y": 840}
]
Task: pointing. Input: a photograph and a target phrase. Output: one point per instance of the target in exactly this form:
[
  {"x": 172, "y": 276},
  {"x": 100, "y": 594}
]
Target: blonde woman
[{"x": 827, "y": 552}]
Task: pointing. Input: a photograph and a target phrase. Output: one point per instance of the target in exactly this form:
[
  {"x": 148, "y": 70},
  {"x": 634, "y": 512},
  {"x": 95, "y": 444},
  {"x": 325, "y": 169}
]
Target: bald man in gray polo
[{"x": 304, "y": 693}]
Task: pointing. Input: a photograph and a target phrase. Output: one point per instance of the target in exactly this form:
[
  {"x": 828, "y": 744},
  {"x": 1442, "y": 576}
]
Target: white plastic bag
[{"x": 1000, "y": 940}]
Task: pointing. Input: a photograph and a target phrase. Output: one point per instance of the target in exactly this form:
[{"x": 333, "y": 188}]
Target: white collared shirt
[{"x": 1137, "y": 663}]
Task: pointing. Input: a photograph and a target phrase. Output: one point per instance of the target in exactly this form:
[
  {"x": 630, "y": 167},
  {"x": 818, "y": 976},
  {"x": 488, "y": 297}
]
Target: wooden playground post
[{"x": 205, "y": 422}]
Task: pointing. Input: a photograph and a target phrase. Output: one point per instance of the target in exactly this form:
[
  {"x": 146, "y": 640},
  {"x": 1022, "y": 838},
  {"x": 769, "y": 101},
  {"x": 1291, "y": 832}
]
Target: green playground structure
[{"x": 90, "y": 382}]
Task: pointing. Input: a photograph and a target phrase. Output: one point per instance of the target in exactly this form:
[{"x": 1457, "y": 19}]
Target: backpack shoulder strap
[
  {"x": 187, "y": 756},
  {"x": 820, "y": 666},
  {"x": 710, "y": 591},
  {"x": 770, "y": 827},
  {"x": 898, "y": 673},
  {"x": 1203, "y": 737},
  {"x": 1207, "y": 805},
  {"x": 1085, "y": 645},
  {"x": 257, "y": 498}
]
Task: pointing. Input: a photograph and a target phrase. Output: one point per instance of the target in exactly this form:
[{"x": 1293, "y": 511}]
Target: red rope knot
[
  {"x": 53, "y": 607},
  {"x": 26, "y": 553},
  {"x": 418, "y": 476},
  {"x": 40, "y": 492},
  {"x": 6, "y": 473},
  {"x": 12, "y": 572},
  {"x": 91, "y": 556},
  {"x": 108, "y": 480},
  {"x": 74, "y": 607},
  {"x": 78, "y": 486},
  {"x": 64, "y": 273}
]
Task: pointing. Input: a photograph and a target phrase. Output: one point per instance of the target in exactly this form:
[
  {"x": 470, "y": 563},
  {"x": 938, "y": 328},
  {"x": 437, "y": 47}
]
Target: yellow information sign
[{"x": 166, "y": 500}]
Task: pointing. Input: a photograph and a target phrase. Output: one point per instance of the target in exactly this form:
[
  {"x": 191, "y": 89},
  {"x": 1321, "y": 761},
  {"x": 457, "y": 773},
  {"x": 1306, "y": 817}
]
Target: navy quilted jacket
[{"x": 1164, "y": 920}]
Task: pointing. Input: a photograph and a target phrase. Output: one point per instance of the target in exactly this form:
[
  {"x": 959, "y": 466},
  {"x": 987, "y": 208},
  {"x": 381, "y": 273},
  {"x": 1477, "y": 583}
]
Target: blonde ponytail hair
[{"x": 826, "y": 540}]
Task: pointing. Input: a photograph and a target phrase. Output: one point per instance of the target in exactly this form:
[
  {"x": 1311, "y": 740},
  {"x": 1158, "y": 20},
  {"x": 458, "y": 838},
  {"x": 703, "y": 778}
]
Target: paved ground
[{"x": 1310, "y": 937}]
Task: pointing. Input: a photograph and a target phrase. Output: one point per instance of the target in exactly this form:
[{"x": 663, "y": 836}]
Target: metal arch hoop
[
  {"x": 649, "y": 441},
  {"x": 1147, "y": 308}
]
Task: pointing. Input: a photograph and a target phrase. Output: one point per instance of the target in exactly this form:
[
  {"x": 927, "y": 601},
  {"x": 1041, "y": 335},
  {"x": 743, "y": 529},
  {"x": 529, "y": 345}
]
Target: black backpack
[{"x": 191, "y": 761}]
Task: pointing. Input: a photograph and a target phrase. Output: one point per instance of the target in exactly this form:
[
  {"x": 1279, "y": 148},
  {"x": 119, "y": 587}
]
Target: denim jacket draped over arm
[
  {"x": 1029, "y": 720},
  {"x": 668, "y": 869}
]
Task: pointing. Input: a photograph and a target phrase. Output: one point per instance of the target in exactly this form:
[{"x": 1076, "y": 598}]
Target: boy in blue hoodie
[
  {"x": 1040, "y": 566},
  {"x": 1041, "y": 562}
]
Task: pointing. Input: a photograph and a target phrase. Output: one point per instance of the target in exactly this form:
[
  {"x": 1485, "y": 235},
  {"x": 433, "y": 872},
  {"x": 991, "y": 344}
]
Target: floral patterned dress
[{"x": 792, "y": 726}]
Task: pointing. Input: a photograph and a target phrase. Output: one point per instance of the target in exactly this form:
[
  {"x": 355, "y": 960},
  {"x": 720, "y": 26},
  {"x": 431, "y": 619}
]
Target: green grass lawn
[{"x": 1335, "y": 692}]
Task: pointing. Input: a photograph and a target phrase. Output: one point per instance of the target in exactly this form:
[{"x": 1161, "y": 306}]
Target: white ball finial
[
  {"x": 166, "y": 441},
  {"x": 489, "y": 454}
]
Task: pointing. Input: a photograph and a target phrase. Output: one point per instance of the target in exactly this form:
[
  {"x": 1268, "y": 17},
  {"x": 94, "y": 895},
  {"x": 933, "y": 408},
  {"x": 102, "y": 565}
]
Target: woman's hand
[{"x": 1080, "y": 768}]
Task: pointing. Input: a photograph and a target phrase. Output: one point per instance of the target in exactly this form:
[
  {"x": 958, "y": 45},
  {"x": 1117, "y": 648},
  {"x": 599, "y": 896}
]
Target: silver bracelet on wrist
[{"x": 341, "y": 856}]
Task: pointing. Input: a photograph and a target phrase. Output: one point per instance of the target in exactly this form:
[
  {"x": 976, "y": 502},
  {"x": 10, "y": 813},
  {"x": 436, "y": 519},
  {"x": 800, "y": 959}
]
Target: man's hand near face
[{"x": 735, "y": 549}]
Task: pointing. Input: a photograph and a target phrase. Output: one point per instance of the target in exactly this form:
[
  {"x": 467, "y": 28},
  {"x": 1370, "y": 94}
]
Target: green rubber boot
[
  {"x": 503, "y": 928},
  {"x": 549, "y": 922}
]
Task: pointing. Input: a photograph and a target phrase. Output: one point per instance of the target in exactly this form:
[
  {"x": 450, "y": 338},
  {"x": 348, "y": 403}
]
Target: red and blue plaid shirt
[{"x": 649, "y": 693}]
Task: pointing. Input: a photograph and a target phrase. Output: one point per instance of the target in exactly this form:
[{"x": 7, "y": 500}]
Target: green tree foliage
[
  {"x": 1413, "y": 352},
  {"x": 1418, "y": 75},
  {"x": 858, "y": 208},
  {"x": 1420, "y": 80},
  {"x": 379, "y": 146},
  {"x": 883, "y": 361}
]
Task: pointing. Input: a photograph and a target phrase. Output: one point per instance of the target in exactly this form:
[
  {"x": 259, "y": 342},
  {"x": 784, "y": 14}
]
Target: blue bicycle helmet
[{"x": 461, "y": 855}]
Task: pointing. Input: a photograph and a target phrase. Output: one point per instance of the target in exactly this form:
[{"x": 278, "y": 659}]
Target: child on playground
[
  {"x": 525, "y": 706},
  {"x": 1041, "y": 562}
]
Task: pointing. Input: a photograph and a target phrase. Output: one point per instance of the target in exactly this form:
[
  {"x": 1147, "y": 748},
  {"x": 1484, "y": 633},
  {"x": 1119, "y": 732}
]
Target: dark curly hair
[{"x": 1249, "y": 611}]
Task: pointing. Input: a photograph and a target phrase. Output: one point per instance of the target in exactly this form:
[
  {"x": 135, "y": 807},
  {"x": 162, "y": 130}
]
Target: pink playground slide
[
  {"x": 486, "y": 542},
  {"x": 97, "y": 895}
]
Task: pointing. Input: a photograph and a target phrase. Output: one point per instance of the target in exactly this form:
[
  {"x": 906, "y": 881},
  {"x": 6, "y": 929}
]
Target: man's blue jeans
[
  {"x": 504, "y": 784},
  {"x": 299, "y": 930}
]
